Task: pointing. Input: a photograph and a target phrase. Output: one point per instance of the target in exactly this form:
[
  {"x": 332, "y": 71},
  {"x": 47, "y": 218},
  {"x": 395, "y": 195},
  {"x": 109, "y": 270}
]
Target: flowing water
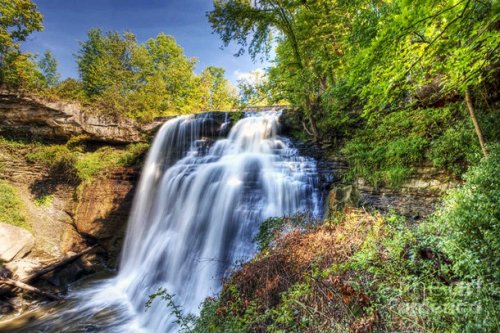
[{"x": 196, "y": 211}]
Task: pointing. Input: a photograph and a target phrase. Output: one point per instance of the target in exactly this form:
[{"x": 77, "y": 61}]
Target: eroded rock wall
[
  {"x": 103, "y": 208},
  {"x": 27, "y": 115}
]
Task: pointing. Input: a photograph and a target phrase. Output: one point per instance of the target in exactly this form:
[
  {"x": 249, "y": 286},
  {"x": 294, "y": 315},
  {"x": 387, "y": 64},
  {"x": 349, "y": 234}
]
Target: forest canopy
[{"x": 396, "y": 83}]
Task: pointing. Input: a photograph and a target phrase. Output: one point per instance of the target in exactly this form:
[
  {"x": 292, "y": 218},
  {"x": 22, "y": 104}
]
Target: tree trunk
[
  {"x": 470, "y": 107},
  {"x": 27, "y": 287},
  {"x": 311, "y": 107},
  {"x": 61, "y": 262}
]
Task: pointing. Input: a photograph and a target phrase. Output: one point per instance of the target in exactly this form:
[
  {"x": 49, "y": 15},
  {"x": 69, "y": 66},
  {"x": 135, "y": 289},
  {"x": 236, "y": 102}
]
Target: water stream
[{"x": 197, "y": 209}]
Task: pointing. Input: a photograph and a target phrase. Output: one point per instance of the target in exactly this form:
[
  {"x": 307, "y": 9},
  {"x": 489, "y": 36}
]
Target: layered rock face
[
  {"x": 103, "y": 208},
  {"x": 35, "y": 117},
  {"x": 416, "y": 198}
]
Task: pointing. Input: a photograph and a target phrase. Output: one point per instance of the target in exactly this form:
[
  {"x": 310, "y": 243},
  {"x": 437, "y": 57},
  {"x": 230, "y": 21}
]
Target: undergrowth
[
  {"x": 75, "y": 163},
  {"x": 386, "y": 151}
]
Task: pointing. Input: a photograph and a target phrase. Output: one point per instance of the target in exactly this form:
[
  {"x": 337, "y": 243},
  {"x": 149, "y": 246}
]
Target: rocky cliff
[
  {"x": 415, "y": 198},
  {"x": 31, "y": 116}
]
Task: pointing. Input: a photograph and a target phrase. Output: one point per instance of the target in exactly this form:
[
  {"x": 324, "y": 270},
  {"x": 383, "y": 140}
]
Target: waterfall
[{"x": 196, "y": 212}]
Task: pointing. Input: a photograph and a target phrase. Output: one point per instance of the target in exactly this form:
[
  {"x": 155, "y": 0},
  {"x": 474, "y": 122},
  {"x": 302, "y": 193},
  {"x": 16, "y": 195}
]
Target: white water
[{"x": 197, "y": 209}]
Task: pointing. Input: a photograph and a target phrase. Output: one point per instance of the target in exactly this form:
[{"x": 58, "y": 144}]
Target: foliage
[
  {"x": 19, "y": 18},
  {"x": 185, "y": 322},
  {"x": 471, "y": 213},
  {"x": 70, "y": 89},
  {"x": 350, "y": 67},
  {"x": 12, "y": 210},
  {"x": 48, "y": 67},
  {"x": 78, "y": 165},
  {"x": 443, "y": 274},
  {"x": 254, "y": 89},
  {"x": 143, "y": 81},
  {"x": 217, "y": 92}
]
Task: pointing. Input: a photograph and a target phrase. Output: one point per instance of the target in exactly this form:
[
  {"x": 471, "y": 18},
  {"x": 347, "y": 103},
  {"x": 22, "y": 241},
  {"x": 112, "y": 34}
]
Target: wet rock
[
  {"x": 6, "y": 307},
  {"x": 15, "y": 242},
  {"x": 416, "y": 198},
  {"x": 339, "y": 198}
]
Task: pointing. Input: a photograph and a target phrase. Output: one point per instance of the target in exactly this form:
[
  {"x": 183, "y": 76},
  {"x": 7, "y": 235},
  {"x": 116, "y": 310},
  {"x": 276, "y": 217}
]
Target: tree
[
  {"x": 48, "y": 67},
  {"x": 254, "y": 89},
  {"x": 105, "y": 62},
  {"x": 217, "y": 92},
  {"x": 251, "y": 25},
  {"x": 18, "y": 19},
  {"x": 307, "y": 35},
  {"x": 147, "y": 80}
]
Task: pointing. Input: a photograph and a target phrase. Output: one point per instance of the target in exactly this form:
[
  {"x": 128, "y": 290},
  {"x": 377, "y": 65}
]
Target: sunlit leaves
[{"x": 146, "y": 80}]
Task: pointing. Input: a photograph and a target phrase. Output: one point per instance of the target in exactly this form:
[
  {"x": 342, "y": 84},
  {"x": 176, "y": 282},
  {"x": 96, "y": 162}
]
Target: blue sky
[{"x": 66, "y": 23}]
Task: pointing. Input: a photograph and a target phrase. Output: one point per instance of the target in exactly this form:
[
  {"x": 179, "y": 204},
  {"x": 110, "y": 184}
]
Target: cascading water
[{"x": 197, "y": 209}]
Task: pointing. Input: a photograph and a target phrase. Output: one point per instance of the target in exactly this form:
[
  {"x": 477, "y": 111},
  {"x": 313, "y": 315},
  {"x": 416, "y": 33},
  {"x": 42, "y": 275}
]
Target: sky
[{"x": 66, "y": 23}]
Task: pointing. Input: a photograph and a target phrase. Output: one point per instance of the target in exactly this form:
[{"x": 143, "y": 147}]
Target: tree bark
[
  {"x": 61, "y": 262},
  {"x": 472, "y": 113},
  {"x": 23, "y": 284}
]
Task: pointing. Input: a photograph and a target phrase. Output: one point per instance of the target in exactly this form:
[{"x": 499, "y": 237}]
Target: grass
[
  {"x": 75, "y": 163},
  {"x": 12, "y": 210}
]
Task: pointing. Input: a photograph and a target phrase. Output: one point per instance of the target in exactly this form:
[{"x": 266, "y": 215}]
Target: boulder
[
  {"x": 15, "y": 242},
  {"x": 339, "y": 198}
]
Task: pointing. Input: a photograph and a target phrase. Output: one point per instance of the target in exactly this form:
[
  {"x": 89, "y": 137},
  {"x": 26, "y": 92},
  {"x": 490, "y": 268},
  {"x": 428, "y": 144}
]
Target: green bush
[
  {"x": 456, "y": 148},
  {"x": 467, "y": 231},
  {"x": 444, "y": 274}
]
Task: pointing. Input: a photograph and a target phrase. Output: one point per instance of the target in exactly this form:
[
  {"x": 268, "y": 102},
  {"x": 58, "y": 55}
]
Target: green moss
[
  {"x": 44, "y": 201},
  {"x": 89, "y": 165},
  {"x": 12, "y": 210},
  {"x": 12, "y": 143}
]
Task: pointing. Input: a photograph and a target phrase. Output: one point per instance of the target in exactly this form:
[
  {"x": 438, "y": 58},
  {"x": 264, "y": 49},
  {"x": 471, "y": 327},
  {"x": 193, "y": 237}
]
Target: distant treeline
[{"x": 117, "y": 74}]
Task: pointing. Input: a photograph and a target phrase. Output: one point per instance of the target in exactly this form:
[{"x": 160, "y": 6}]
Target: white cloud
[{"x": 254, "y": 76}]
